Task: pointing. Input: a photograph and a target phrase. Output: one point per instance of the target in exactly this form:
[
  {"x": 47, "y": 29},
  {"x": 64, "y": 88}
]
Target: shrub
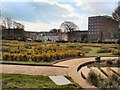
[
  {"x": 93, "y": 78},
  {"x": 104, "y": 50},
  {"x": 27, "y": 51},
  {"x": 109, "y": 62},
  {"x": 118, "y": 62},
  {"x": 110, "y": 82},
  {"x": 116, "y": 52},
  {"x": 37, "y": 58}
]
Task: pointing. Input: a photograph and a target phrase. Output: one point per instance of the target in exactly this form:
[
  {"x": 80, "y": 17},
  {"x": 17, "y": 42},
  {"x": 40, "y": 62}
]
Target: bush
[
  {"x": 27, "y": 51},
  {"x": 118, "y": 62},
  {"x": 109, "y": 62},
  {"x": 104, "y": 50},
  {"x": 116, "y": 52},
  {"x": 110, "y": 82},
  {"x": 93, "y": 78}
]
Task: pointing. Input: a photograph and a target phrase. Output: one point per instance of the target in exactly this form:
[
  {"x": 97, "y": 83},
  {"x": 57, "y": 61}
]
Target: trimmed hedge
[
  {"x": 34, "y": 51},
  {"x": 42, "y": 57}
]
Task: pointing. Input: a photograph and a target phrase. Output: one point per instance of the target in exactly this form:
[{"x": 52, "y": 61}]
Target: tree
[
  {"x": 116, "y": 14},
  {"x": 55, "y": 31},
  {"x": 68, "y": 26},
  {"x": 10, "y": 24}
]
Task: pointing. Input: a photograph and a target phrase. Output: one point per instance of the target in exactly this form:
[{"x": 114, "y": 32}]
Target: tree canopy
[
  {"x": 68, "y": 26},
  {"x": 55, "y": 31}
]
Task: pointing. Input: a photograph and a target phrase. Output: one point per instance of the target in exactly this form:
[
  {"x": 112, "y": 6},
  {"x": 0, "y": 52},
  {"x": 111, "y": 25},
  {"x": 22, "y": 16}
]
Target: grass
[
  {"x": 93, "y": 52},
  {"x": 28, "y": 63},
  {"x": 31, "y": 81}
]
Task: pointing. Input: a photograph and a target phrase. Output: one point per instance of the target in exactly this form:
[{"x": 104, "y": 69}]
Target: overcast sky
[{"x": 44, "y": 15}]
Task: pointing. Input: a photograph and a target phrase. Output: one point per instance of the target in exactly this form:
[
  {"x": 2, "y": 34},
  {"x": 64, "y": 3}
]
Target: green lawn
[
  {"x": 31, "y": 81},
  {"x": 93, "y": 52}
]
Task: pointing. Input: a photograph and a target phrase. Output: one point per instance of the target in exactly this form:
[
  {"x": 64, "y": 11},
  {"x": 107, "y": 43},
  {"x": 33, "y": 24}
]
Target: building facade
[
  {"x": 102, "y": 28},
  {"x": 47, "y": 36},
  {"x": 31, "y": 35},
  {"x": 12, "y": 34},
  {"x": 78, "y": 36}
]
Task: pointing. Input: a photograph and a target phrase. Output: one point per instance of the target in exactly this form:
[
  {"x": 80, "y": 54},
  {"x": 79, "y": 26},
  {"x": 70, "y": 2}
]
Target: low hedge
[
  {"x": 42, "y": 57},
  {"x": 104, "y": 50}
]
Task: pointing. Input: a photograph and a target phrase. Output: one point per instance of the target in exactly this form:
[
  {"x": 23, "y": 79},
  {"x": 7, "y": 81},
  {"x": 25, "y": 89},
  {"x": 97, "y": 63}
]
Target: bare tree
[
  {"x": 10, "y": 24},
  {"x": 116, "y": 16},
  {"x": 6, "y": 22},
  {"x": 116, "y": 13},
  {"x": 68, "y": 26}
]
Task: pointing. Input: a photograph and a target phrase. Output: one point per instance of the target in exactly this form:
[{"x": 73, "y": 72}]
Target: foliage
[
  {"x": 104, "y": 50},
  {"x": 109, "y": 63},
  {"x": 39, "y": 51},
  {"x": 116, "y": 52},
  {"x": 34, "y": 51},
  {"x": 112, "y": 81},
  {"x": 93, "y": 78}
]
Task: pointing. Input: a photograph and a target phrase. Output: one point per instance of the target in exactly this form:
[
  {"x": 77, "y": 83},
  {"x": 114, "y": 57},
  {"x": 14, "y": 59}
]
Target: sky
[{"x": 44, "y": 15}]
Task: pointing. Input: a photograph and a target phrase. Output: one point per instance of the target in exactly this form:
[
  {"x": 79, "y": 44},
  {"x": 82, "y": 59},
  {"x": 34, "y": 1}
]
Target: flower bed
[{"x": 33, "y": 51}]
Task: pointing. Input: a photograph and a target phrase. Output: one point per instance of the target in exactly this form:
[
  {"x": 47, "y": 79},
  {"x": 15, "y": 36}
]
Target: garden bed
[{"x": 103, "y": 74}]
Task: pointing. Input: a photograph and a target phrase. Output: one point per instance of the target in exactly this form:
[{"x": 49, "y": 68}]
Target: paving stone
[{"x": 60, "y": 80}]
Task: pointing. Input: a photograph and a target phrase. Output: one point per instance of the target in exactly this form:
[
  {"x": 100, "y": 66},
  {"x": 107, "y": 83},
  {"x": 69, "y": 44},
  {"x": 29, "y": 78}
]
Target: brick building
[{"x": 102, "y": 28}]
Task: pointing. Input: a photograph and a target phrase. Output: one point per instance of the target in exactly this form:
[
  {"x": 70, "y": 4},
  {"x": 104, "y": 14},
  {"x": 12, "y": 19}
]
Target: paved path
[
  {"x": 51, "y": 71},
  {"x": 34, "y": 70},
  {"x": 72, "y": 71}
]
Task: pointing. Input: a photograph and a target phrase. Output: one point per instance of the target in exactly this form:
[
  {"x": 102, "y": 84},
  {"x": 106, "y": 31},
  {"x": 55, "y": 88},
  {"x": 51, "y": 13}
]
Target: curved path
[{"x": 73, "y": 64}]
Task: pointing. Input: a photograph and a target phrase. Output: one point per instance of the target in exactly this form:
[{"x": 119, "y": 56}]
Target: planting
[
  {"x": 48, "y": 51},
  {"x": 37, "y": 52},
  {"x": 110, "y": 69},
  {"x": 104, "y": 50},
  {"x": 108, "y": 63},
  {"x": 111, "y": 82}
]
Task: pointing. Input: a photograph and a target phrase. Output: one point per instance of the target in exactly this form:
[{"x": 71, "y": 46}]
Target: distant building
[
  {"x": 13, "y": 34},
  {"x": 11, "y": 30},
  {"x": 47, "y": 36},
  {"x": 78, "y": 36},
  {"x": 64, "y": 37},
  {"x": 31, "y": 35},
  {"x": 102, "y": 28}
]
